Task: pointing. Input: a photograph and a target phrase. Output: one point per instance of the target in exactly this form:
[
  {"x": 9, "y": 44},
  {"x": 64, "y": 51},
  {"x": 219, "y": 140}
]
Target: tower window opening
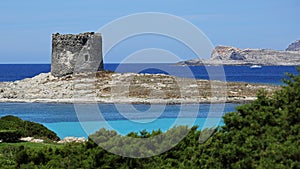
[{"x": 86, "y": 58}]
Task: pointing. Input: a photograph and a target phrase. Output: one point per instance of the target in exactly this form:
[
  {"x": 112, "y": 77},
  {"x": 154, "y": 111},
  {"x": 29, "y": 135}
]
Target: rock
[
  {"x": 121, "y": 88},
  {"x": 26, "y": 139},
  {"x": 193, "y": 62},
  {"x": 230, "y": 55},
  {"x": 31, "y": 139},
  {"x": 226, "y": 55},
  {"x": 76, "y": 53},
  {"x": 295, "y": 46},
  {"x": 72, "y": 140},
  {"x": 237, "y": 56},
  {"x": 223, "y": 52},
  {"x": 37, "y": 141}
]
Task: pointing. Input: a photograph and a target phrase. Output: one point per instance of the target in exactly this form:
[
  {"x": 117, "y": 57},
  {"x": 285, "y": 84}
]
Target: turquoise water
[
  {"x": 123, "y": 127},
  {"x": 67, "y": 120}
]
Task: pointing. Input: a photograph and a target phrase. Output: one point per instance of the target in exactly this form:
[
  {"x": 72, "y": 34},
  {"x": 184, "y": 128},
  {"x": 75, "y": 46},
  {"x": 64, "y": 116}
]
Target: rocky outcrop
[
  {"x": 225, "y": 55},
  {"x": 65, "y": 140},
  {"x": 76, "y": 53},
  {"x": 31, "y": 139},
  {"x": 72, "y": 140},
  {"x": 231, "y": 55},
  {"x": 126, "y": 88},
  {"x": 295, "y": 46}
]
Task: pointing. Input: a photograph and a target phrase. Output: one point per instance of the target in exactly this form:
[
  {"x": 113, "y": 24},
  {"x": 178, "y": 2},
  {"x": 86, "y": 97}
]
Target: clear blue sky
[{"x": 26, "y": 26}]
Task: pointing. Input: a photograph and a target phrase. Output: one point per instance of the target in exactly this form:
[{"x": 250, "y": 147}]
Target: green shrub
[
  {"x": 26, "y": 128},
  {"x": 10, "y": 135}
]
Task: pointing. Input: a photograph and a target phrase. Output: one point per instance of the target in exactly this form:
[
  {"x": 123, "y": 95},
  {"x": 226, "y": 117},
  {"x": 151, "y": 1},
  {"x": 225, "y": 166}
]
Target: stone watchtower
[{"x": 76, "y": 53}]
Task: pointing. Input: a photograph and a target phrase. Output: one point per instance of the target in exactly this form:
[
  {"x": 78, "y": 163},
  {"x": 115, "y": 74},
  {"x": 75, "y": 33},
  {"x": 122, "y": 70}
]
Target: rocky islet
[{"x": 227, "y": 55}]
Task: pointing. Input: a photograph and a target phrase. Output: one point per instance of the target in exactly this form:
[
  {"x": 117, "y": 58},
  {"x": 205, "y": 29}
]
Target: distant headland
[{"x": 226, "y": 55}]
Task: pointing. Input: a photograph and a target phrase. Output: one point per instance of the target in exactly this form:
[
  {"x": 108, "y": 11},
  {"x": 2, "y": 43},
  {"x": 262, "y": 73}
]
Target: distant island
[{"x": 226, "y": 55}]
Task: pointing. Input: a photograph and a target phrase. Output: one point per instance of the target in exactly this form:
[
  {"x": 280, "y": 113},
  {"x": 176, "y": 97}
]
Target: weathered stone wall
[{"x": 76, "y": 53}]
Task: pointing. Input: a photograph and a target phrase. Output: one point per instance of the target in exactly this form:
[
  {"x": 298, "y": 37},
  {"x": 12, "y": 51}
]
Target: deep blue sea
[
  {"x": 267, "y": 74},
  {"x": 63, "y": 119}
]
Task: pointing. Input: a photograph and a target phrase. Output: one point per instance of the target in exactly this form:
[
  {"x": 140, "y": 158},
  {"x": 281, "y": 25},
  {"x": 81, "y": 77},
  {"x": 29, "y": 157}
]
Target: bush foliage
[
  {"x": 25, "y": 129},
  {"x": 10, "y": 135}
]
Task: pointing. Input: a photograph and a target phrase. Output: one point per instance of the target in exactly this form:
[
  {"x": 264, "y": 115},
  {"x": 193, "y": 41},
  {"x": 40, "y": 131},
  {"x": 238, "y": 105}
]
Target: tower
[{"x": 76, "y": 53}]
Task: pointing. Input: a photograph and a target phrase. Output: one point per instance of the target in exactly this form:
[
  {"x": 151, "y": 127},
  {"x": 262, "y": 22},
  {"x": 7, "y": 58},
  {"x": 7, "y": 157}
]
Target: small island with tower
[{"x": 77, "y": 75}]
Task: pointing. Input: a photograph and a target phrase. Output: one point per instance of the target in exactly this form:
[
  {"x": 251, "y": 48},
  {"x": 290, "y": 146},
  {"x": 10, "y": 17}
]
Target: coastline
[
  {"x": 124, "y": 88},
  {"x": 227, "y": 55},
  {"x": 129, "y": 101}
]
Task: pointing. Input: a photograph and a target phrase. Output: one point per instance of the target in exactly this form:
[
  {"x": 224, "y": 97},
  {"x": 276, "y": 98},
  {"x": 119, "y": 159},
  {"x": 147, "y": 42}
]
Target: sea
[{"x": 65, "y": 120}]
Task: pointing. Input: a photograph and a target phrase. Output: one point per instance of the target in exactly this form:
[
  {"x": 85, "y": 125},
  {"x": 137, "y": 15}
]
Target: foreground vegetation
[
  {"x": 12, "y": 128},
  {"x": 262, "y": 134}
]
